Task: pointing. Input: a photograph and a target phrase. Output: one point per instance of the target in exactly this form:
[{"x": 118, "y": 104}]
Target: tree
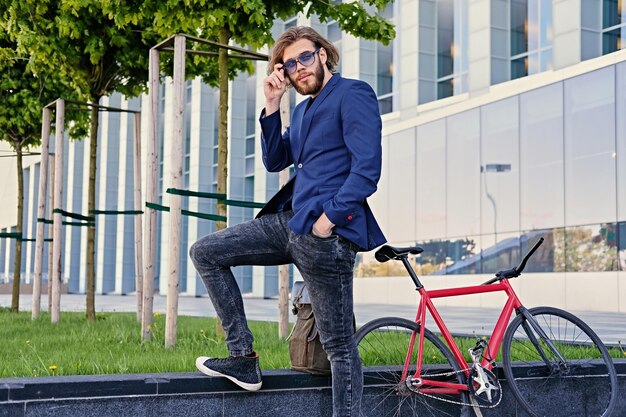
[
  {"x": 82, "y": 43},
  {"x": 23, "y": 94},
  {"x": 249, "y": 23}
]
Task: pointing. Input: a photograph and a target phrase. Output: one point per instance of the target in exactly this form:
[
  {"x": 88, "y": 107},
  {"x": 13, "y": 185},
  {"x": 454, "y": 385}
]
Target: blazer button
[{"x": 299, "y": 165}]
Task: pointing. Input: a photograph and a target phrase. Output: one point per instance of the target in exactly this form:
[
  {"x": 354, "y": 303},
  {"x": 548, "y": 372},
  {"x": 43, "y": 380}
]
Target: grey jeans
[{"x": 326, "y": 266}]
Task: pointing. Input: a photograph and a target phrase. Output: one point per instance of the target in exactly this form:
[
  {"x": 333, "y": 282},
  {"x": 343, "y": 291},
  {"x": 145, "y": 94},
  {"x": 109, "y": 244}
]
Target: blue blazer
[{"x": 335, "y": 147}]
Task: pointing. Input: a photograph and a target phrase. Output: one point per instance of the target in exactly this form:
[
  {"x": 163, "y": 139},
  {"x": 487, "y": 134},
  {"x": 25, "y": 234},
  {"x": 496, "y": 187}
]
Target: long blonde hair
[{"x": 296, "y": 33}]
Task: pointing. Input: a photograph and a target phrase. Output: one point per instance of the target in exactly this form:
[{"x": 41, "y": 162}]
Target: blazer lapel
[{"x": 307, "y": 118}]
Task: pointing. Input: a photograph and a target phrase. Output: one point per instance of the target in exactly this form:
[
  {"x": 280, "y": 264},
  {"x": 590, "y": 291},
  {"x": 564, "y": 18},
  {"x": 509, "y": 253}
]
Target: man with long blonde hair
[{"x": 318, "y": 221}]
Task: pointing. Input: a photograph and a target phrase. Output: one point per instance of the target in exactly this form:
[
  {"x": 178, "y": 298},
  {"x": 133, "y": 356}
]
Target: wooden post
[
  {"x": 151, "y": 195},
  {"x": 55, "y": 313},
  {"x": 138, "y": 207},
  {"x": 176, "y": 181},
  {"x": 50, "y": 232},
  {"x": 41, "y": 212},
  {"x": 283, "y": 270}
]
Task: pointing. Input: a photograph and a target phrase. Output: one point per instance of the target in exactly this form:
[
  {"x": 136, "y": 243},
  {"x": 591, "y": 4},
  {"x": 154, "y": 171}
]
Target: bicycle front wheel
[
  {"x": 383, "y": 346},
  {"x": 545, "y": 360}
]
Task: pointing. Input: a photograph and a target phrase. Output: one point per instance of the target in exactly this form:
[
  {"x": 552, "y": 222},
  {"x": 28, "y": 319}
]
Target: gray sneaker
[{"x": 242, "y": 370}]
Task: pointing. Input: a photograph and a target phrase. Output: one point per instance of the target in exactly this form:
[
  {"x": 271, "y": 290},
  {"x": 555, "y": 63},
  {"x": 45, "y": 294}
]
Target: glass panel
[
  {"x": 433, "y": 259},
  {"x": 620, "y": 154},
  {"x": 385, "y": 69},
  {"x": 251, "y": 116},
  {"x": 519, "y": 67},
  {"x": 591, "y": 248},
  {"x": 621, "y": 246},
  {"x": 463, "y": 173},
  {"x": 532, "y": 26},
  {"x": 533, "y": 63},
  {"x": 430, "y": 179},
  {"x": 445, "y": 88},
  {"x": 500, "y": 170},
  {"x": 590, "y": 189},
  {"x": 445, "y": 37},
  {"x": 545, "y": 23},
  {"x": 249, "y": 166},
  {"x": 334, "y": 32},
  {"x": 500, "y": 252},
  {"x": 250, "y": 143},
  {"x": 611, "y": 41},
  {"x": 401, "y": 186},
  {"x": 519, "y": 26},
  {"x": 385, "y": 105},
  {"x": 541, "y": 158},
  {"x": 611, "y": 13},
  {"x": 545, "y": 60},
  {"x": 387, "y": 12},
  {"x": 463, "y": 256},
  {"x": 549, "y": 257},
  {"x": 366, "y": 264}
]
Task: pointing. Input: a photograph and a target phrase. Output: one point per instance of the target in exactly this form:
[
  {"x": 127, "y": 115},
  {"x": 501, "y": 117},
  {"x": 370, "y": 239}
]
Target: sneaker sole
[{"x": 207, "y": 371}]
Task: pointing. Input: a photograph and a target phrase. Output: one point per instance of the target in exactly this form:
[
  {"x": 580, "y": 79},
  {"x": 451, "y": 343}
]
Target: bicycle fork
[{"x": 529, "y": 321}]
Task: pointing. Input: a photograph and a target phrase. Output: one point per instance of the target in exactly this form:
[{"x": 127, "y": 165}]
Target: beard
[{"x": 306, "y": 89}]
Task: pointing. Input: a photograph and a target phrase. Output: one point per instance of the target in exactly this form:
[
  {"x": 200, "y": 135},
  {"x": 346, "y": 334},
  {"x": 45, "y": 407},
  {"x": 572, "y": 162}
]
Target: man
[{"x": 318, "y": 221}]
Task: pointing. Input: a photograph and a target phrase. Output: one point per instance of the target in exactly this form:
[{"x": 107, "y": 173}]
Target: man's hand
[
  {"x": 274, "y": 86},
  {"x": 323, "y": 227}
]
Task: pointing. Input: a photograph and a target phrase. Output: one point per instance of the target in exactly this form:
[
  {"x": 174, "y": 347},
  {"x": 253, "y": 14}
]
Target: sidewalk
[{"x": 611, "y": 327}]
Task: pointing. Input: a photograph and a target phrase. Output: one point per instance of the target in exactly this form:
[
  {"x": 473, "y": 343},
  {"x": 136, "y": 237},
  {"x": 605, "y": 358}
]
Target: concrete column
[
  {"x": 567, "y": 29},
  {"x": 406, "y": 57},
  {"x": 124, "y": 182},
  {"x": 101, "y": 195},
  {"x": 480, "y": 54}
]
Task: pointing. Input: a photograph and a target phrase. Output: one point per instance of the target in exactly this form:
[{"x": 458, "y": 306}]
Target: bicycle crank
[{"x": 484, "y": 386}]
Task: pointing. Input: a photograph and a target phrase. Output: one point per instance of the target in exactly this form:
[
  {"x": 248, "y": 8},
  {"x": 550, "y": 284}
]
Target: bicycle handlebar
[
  {"x": 517, "y": 271},
  {"x": 522, "y": 264}
]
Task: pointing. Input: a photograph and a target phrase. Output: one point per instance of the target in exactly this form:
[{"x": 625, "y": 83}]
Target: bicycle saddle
[{"x": 387, "y": 252}]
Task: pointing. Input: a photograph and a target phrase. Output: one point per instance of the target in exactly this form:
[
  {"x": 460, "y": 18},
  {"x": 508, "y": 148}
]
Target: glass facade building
[{"x": 475, "y": 187}]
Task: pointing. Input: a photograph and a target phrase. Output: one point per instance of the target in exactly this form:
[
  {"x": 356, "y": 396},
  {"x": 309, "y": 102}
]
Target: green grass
[{"x": 112, "y": 345}]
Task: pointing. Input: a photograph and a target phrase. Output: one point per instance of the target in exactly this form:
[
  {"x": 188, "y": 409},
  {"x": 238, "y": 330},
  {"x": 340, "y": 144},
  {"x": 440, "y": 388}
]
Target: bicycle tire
[
  {"x": 383, "y": 345},
  {"x": 542, "y": 390}
]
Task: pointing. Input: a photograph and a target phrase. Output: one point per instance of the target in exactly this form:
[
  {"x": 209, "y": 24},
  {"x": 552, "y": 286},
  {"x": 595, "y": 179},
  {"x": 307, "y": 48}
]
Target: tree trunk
[
  {"x": 17, "y": 266},
  {"x": 222, "y": 139},
  {"x": 90, "y": 312},
  {"x": 222, "y": 131}
]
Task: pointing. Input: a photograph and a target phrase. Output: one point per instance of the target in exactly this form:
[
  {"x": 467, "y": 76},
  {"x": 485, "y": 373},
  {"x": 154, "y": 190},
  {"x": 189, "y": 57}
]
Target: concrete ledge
[{"x": 284, "y": 394}]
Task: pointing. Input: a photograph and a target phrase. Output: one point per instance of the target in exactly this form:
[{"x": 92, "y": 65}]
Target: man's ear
[{"x": 323, "y": 56}]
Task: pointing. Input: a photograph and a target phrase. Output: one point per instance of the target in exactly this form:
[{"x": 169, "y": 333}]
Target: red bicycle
[{"x": 545, "y": 352}]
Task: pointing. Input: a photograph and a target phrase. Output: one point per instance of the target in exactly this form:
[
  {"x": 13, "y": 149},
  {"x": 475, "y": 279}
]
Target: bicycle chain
[{"x": 460, "y": 402}]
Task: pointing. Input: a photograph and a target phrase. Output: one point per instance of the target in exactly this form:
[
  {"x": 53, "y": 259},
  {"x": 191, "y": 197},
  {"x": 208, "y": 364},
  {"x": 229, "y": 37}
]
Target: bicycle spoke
[{"x": 537, "y": 374}]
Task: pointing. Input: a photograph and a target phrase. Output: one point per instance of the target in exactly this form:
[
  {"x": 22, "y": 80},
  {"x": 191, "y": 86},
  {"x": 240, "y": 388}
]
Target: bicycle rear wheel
[
  {"x": 383, "y": 346},
  {"x": 541, "y": 381}
]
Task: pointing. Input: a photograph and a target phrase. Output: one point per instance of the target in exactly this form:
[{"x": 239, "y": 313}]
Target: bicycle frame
[{"x": 495, "y": 340}]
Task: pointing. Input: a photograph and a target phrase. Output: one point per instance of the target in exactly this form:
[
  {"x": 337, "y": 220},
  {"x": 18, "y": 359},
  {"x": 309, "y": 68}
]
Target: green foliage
[
  {"x": 101, "y": 46},
  {"x": 23, "y": 94}
]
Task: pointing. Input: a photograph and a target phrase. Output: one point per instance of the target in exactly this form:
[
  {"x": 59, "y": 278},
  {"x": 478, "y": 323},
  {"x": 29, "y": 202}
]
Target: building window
[
  {"x": 530, "y": 37},
  {"x": 334, "y": 37},
  {"x": 250, "y": 143},
  {"x": 385, "y": 68},
  {"x": 443, "y": 49},
  {"x": 613, "y": 26}
]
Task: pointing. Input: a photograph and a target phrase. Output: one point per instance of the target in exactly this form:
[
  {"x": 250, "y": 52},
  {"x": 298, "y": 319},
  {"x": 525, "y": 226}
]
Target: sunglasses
[{"x": 306, "y": 58}]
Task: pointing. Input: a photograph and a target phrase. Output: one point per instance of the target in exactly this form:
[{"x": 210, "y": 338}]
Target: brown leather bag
[{"x": 305, "y": 349}]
